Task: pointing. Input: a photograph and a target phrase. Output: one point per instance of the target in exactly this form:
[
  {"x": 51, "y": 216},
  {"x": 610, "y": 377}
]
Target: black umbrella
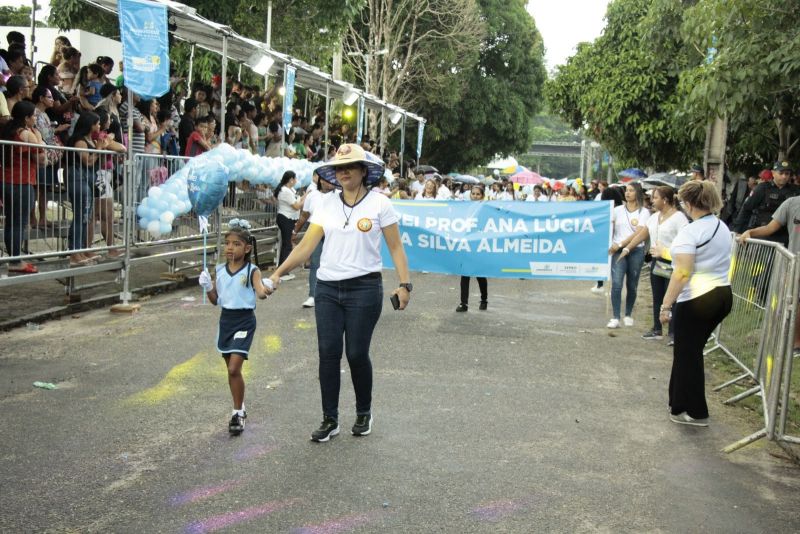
[
  {"x": 664, "y": 178},
  {"x": 425, "y": 169}
]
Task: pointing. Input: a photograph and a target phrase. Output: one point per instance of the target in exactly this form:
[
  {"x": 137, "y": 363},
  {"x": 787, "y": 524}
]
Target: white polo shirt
[{"x": 352, "y": 235}]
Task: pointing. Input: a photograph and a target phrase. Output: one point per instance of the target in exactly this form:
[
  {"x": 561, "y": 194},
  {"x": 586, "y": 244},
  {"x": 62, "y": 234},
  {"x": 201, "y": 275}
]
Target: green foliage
[
  {"x": 501, "y": 95},
  {"x": 754, "y": 78},
  {"x": 18, "y": 16},
  {"x": 623, "y": 87}
]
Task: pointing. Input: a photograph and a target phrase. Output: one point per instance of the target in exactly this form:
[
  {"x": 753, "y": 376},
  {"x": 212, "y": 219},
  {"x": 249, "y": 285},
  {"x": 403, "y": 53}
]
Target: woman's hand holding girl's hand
[
  {"x": 613, "y": 248},
  {"x": 276, "y": 281},
  {"x": 268, "y": 285}
]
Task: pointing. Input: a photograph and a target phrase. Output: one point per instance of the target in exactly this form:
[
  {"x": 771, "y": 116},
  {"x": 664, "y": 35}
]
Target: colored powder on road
[
  {"x": 303, "y": 325},
  {"x": 341, "y": 524},
  {"x": 217, "y": 522},
  {"x": 272, "y": 344},
  {"x": 198, "y": 368},
  {"x": 256, "y": 451},
  {"x": 497, "y": 510},
  {"x": 198, "y": 494}
]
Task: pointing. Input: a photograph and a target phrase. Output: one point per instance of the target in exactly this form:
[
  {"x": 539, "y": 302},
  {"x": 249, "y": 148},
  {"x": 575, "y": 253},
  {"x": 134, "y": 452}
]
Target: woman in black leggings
[
  {"x": 699, "y": 295},
  {"x": 477, "y": 194}
]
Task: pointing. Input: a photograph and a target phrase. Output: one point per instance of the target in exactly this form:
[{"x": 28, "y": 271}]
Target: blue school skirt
[{"x": 236, "y": 331}]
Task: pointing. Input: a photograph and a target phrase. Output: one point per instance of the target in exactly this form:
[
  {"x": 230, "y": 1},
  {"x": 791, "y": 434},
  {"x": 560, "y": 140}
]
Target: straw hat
[{"x": 348, "y": 154}]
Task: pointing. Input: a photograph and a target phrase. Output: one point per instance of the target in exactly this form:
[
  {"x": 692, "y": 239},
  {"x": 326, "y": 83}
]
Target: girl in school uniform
[{"x": 238, "y": 283}]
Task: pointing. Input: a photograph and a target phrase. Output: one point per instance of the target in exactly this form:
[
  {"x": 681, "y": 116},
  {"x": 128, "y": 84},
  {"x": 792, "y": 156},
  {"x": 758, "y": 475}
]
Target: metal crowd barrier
[
  {"x": 71, "y": 212},
  {"x": 62, "y": 207},
  {"x": 758, "y": 334}
]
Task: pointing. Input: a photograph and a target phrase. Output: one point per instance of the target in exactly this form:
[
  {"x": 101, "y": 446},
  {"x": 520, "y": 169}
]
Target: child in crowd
[
  {"x": 476, "y": 194},
  {"x": 238, "y": 283},
  {"x": 89, "y": 85},
  {"x": 197, "y": 142}
]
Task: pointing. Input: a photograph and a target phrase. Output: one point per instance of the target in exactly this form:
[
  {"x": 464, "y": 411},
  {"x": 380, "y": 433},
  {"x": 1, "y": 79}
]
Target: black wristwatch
[{"x": 408, "y": 287}]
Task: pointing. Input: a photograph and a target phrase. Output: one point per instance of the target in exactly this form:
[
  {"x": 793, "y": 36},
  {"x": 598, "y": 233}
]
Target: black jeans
[
  {"x": 695, "y": 320},
  {"x": 465, "y": 288},
  {"x": 658, "y": 285},
  {"x": 347, "y": 312},
  {"x": 286, "y": 226}
]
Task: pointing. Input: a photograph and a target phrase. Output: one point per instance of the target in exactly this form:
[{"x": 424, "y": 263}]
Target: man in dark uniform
[
  {"x": 697, "y": 172},
  {"x": 760, "y": 206}
]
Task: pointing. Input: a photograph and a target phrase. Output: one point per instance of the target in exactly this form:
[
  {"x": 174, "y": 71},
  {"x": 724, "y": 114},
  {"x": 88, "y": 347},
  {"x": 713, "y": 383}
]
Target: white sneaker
[
  {"x": 613, "y": 323},
  {"x": 287, "y": 277},
  {"x": 627, "y": 321},
  {"x": 309, "y": 303},
  {"x": 598, "y": 290}
]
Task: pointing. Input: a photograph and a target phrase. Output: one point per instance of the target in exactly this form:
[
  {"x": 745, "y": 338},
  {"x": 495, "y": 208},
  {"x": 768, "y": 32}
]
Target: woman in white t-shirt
[
  {"x": 349, "y": 292},
  {"x": 626, "y": 219},
  {"x": 289, "y": 205},
  {"x": 701, "y": 294},
  {"x": 661, "y": 229}
]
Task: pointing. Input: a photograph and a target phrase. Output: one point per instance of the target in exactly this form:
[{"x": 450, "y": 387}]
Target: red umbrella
[{"x": 527, "y": 177}]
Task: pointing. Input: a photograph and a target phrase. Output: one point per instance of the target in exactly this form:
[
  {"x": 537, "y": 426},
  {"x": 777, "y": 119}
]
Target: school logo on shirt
[
  {"x": 365, "y": 225},
  {"x": 243, "y": 280}
]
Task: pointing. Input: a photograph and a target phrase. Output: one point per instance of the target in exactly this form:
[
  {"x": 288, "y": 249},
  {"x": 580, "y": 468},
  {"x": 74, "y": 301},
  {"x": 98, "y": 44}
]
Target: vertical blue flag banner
[
  {"x": 361, "y": 120},
  {"x": 288, "y": 97},
  {"x": 506, "y": 239},
  {"x": 145, "y": 47},
  {"x": 420, "y": 133}
]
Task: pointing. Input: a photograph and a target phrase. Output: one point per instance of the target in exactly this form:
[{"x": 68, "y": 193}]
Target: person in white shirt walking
[
  {"x": 626, "y": 219},
  {"x": 289, "y": 205},
  {"x": 349, "y": 293},
  {"x": 314, "y": 196}
]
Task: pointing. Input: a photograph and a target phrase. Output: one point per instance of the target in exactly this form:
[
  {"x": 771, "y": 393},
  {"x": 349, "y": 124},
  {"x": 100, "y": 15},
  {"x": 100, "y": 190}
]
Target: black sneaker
[
  {"x": 363, "y": 425},
  {"x": 652, "y": 334},
  {"x": 483, "y": 305},
  {"x": 327, "y": 429},
  {"x": 236, "y": 426},
  {"x": 462, "y": 307}
]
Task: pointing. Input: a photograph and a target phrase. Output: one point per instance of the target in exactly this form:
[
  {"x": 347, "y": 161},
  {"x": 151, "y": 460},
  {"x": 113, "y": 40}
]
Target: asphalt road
[{"x": 528, "y": 417}]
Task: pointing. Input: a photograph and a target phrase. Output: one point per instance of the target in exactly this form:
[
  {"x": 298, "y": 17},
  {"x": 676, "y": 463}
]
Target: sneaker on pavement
[
  {"x": 236, "y": 426},
  {"x": 685, "y": 419},
  {"x": 309, "y": 302},
  {"x": 671, "y": 341},
  {"x": 327, "y": 429},
  {"x": 613, "y": 323},
  {"x": 462, "y": 307},
  {"x": 652, "y": 335},
  {"x": 627, "y": 321},
  {"x": 597, "y": 290},
  {"x": 363, "y": 425},
  {"x": 287, "y": 277}
]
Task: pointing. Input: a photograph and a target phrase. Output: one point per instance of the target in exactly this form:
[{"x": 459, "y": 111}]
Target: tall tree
[
  {"x": 623, "y": 87},
  {"x": 416, "y": 49},
  {"x": 18, "y": 16},
  {"x": 753, "y": 76},
  {"x": 502, "y": 94}
]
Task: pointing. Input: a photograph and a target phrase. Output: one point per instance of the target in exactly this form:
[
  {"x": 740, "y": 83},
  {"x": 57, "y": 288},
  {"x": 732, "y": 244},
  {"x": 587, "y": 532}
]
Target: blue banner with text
[
  {"x": 145, "y": 47},
  {"x": 511, "y": 239}
]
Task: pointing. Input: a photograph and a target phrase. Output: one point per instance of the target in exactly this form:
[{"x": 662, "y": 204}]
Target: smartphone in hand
[{"x": 395, "y": 301}]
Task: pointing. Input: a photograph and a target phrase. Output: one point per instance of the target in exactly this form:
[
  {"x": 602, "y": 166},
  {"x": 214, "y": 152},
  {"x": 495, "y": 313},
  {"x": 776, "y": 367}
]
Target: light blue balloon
[
  {"x": 142, "y": 210},
  {"x": 164, "y": 227}
]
